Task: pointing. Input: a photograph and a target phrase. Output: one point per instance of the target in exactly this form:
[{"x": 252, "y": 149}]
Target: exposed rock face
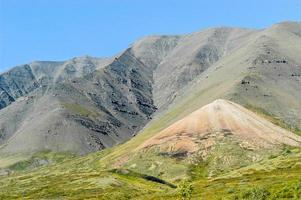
[
  {"x": 88, "y": 113},
  {"x": 16, "y": 83},
  {"x": 85, "y": 104},
  {"x": 24, "y": 79}
]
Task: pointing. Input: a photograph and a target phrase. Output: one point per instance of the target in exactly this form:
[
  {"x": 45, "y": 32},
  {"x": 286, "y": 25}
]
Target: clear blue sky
[{"x": 62, "y": 29}]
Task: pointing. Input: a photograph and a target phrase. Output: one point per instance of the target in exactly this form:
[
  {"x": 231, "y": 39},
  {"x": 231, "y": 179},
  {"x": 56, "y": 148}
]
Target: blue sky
[{"x": 61, "y": 29}]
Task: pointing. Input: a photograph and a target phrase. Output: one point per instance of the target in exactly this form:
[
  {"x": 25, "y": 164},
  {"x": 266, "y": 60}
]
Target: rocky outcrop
[{"x": 16, "y": 83}]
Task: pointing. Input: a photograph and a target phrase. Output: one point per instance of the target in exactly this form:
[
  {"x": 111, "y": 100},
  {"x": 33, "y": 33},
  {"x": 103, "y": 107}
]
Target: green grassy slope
[
  {"x": 84, "y": 178},
  {"x": 18, "y": 163}
]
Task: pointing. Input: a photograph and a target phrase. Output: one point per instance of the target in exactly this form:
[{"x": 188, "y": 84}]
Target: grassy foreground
[{"x": 278, "y": 177}]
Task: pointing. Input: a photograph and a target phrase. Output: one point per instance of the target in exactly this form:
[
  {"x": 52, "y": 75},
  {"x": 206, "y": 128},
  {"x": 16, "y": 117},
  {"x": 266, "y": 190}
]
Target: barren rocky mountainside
[
  {"x": 86, "y": 104},
  {"x": 78, "y": 111}
]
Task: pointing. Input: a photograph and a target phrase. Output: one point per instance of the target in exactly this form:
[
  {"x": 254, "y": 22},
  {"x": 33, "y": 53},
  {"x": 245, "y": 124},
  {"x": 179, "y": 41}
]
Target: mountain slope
[
  {"x": 194, "y": 54},
  {"x": 150, "y": 176},
  {"x": 83, "y": 114},
  {"x": 221, "y": 135},
  {"x": 178, "y": 60},
  {"x": 160, "y": 79},
  {"x": 218, "y": 119},
  {"x": 262, "y": 73},
  {"x": 24, "y": 79}
]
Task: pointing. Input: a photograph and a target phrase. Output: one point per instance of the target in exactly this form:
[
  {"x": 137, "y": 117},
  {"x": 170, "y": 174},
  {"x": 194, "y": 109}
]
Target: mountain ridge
[{"x": 119, "y": 96}]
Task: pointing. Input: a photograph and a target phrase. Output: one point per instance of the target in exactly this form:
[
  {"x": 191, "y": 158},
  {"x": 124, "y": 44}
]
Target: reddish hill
[{"x": 220, "y": 119}]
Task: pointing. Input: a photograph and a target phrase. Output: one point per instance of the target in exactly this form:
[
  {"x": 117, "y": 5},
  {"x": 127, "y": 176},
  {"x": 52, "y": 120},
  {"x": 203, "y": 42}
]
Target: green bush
[
  {"x": 290, "y": 191},
  {"x": 286, "y": 151},
  {"x": 256, "y": 193},
  {"x": 186, "y": 190}
]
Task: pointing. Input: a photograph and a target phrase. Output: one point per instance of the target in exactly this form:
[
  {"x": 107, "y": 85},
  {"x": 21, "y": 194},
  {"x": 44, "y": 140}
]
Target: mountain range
[{"x": 200, "y": 106}]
